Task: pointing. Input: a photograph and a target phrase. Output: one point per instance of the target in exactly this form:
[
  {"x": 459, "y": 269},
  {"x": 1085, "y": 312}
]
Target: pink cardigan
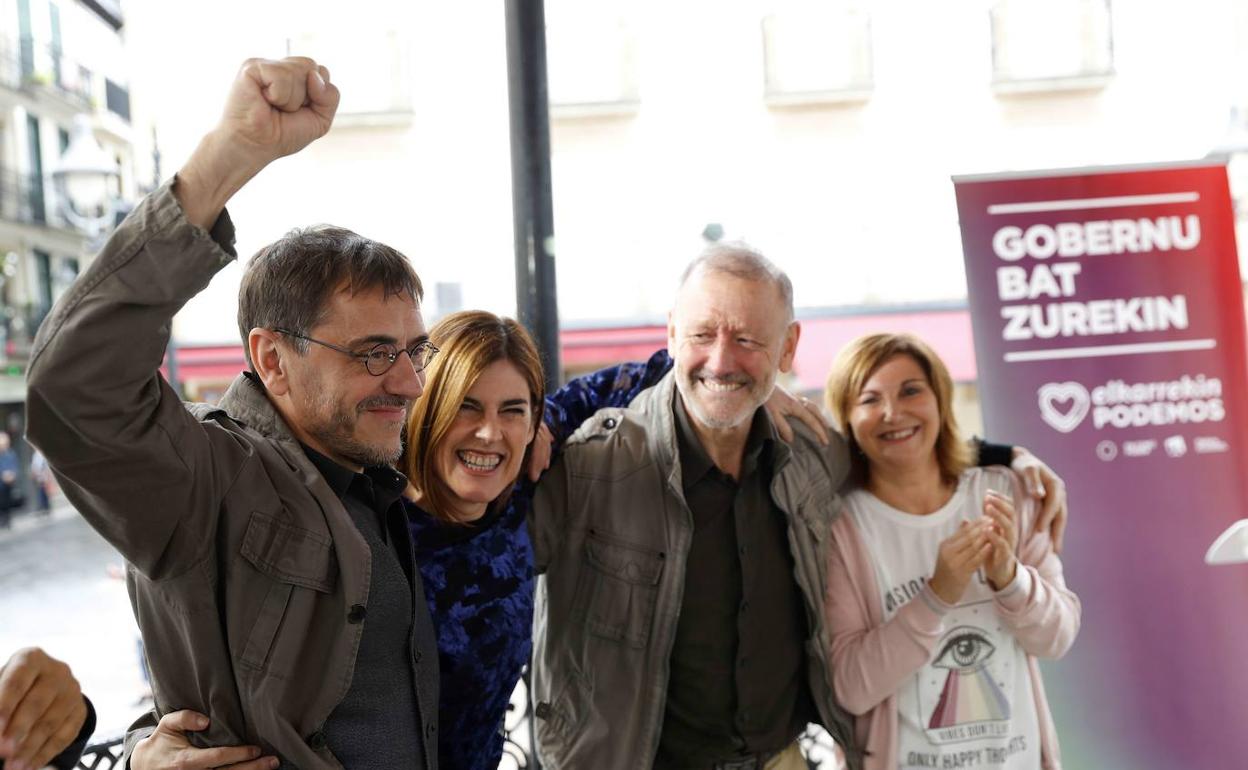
[{"x": 871, "y": 659}]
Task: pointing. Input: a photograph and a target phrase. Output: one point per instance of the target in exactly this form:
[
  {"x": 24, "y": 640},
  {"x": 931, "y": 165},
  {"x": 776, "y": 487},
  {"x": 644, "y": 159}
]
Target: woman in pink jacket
[{"x": 941, "y": 593}]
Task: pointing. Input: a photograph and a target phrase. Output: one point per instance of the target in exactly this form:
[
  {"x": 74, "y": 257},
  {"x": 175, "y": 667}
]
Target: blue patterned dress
[{"x": 479, "y": 583}]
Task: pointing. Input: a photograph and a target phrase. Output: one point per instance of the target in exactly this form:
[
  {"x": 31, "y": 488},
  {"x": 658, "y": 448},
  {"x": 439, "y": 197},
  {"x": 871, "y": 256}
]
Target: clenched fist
[
  {"x": 277, "y": 108},
  {"x": 274, "y": 109}
]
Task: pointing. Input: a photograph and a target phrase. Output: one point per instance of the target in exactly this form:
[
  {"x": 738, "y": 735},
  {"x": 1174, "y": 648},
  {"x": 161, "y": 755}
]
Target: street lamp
[{"x": 84, "y": 178}]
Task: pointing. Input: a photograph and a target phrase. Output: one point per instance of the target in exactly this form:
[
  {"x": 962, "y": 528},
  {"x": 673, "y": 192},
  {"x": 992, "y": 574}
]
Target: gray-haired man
[{"x": 682, "y": 545}]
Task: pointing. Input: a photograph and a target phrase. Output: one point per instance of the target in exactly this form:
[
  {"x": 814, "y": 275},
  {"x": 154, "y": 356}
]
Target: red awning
[{"x": 948, "y": 331}]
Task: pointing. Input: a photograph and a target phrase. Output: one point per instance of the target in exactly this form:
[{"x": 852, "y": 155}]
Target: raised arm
[
  {"x": 97, "y": 406},
  {"x": 578, "y": 400}
]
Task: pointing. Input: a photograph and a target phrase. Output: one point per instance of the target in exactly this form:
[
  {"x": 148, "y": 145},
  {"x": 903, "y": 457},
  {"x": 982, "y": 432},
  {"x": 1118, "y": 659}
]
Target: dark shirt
[
  {"x": 379, "y": 723},
  {"x": 479, "y": 583},
  {"x": 738, "y": 666}
]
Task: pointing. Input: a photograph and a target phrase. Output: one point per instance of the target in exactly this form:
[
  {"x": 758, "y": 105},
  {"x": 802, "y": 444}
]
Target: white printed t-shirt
[{"x": 971, "y": 705}]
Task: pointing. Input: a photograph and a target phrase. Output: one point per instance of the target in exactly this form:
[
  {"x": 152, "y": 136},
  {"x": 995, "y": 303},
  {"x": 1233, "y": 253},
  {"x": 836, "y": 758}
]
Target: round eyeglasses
[{"x": 379, "y": 358}]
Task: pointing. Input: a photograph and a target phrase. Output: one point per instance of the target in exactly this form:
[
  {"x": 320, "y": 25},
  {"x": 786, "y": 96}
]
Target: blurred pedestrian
[
  {"x": 10, "y": 496},
  {"x": 41, "y": 475}
]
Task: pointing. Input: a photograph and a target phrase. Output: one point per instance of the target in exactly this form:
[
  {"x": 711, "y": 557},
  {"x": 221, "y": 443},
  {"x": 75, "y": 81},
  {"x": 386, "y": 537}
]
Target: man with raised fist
[{"x": 271, "y": 568}]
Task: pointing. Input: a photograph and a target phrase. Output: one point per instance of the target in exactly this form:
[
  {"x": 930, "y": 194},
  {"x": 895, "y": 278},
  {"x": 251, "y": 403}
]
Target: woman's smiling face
[
  {"x": 895, "y": 418},
  {"x": 480, "y": 456}
]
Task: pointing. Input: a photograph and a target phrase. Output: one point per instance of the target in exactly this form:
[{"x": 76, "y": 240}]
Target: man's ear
[
  {"x": 789, "y": 349},
  {"x": 267, "y": 359},
  {"x": 671, "y": 333}
]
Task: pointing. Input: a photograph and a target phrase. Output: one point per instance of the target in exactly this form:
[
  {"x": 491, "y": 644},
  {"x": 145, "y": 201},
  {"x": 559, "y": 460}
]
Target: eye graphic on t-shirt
[
  {"x": 970, "y": 694},
  {"x": 964, "y": 651}
]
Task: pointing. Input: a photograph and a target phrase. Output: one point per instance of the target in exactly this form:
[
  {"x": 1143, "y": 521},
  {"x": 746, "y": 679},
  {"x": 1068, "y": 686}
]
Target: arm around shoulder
[{"x": 548, "y": 514}]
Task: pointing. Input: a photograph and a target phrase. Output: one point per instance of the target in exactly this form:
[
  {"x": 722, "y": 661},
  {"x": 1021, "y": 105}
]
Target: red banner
[{"x": 1108, "y": 319}]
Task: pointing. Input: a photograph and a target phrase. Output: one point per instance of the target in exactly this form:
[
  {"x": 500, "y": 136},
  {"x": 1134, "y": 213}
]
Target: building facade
[{"x": 59, "y": 60}]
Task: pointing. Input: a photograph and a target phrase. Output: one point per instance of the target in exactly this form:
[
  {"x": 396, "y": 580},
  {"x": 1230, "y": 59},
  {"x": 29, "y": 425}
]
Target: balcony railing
[
  {"x": 12, "y": 61},
  {"x": 22, "y": 199},
  {"x": 18, "y": 324},
  {"x": 28, "y": 65}
]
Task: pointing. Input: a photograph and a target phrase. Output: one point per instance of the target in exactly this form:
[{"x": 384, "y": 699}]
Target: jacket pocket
[
  {"x": 621, "y": 588},
  {"x": 292, "y": 558},
  {"x": 559, "y": 721}
]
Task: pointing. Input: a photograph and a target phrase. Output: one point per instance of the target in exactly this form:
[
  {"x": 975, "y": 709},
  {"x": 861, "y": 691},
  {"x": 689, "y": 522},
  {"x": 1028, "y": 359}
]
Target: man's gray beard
[
  {"x": 335, "y": 432},
  {"x": 365, "y": 455},
  {"x": 713, "y": 423}
]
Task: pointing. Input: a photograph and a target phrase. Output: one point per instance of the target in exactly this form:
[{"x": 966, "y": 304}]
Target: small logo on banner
[
  {"x": 1063, "y": 405},
  {"x": 1139, "y": 448},
  {"x": 1176, "y": 446},
  {"x": 1210, "y": 445}
]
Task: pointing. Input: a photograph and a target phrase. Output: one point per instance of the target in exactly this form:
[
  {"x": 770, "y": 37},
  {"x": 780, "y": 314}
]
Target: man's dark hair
[{"x": 287, "y": 284}]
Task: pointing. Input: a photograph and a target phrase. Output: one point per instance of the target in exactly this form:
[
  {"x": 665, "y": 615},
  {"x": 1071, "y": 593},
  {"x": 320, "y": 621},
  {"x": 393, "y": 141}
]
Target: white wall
[{"x": 853, "y": 199}]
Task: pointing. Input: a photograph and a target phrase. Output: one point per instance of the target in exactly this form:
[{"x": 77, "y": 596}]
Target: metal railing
[
  {"x": 18, "y": 324},
  {"x": 103, "y": 756},
  {"x": 22, "y": 198},
  {"x": 26, "y": 65},
  {"x": 12, "y": 59},
  {"x": 518, "y": 730}
]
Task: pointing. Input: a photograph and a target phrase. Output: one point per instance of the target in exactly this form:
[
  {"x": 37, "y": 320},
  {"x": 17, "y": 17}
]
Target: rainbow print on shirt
[{"x": 970, "y": 693}]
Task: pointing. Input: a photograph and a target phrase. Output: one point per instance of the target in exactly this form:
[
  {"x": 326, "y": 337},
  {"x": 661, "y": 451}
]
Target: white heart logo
[{"x": 1063, "y": 405}]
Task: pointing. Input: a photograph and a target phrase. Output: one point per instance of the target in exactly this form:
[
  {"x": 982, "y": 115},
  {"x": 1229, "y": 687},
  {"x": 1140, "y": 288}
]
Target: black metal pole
[
  {"x": 532, "y": 209},
  {"x": 533, "y": 219}
]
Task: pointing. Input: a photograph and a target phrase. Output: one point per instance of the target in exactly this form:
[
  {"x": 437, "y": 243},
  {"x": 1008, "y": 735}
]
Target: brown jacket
[
  {"x": 244, "y": 563},
  {"x": 611, "y": 535}
]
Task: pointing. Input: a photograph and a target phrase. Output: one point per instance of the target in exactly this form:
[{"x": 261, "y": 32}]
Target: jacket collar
[
  {"x": 246, "y": 402},
  {"x": 658, "y": 415},
  {"x": 795, "y": 474},
  {"x": 658, "y": 405}
]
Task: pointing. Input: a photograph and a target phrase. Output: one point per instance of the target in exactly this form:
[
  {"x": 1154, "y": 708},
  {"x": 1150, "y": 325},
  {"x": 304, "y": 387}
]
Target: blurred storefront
[
  {"x": 205, "y": 371},
  {"x": 60, "y": 61}
]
